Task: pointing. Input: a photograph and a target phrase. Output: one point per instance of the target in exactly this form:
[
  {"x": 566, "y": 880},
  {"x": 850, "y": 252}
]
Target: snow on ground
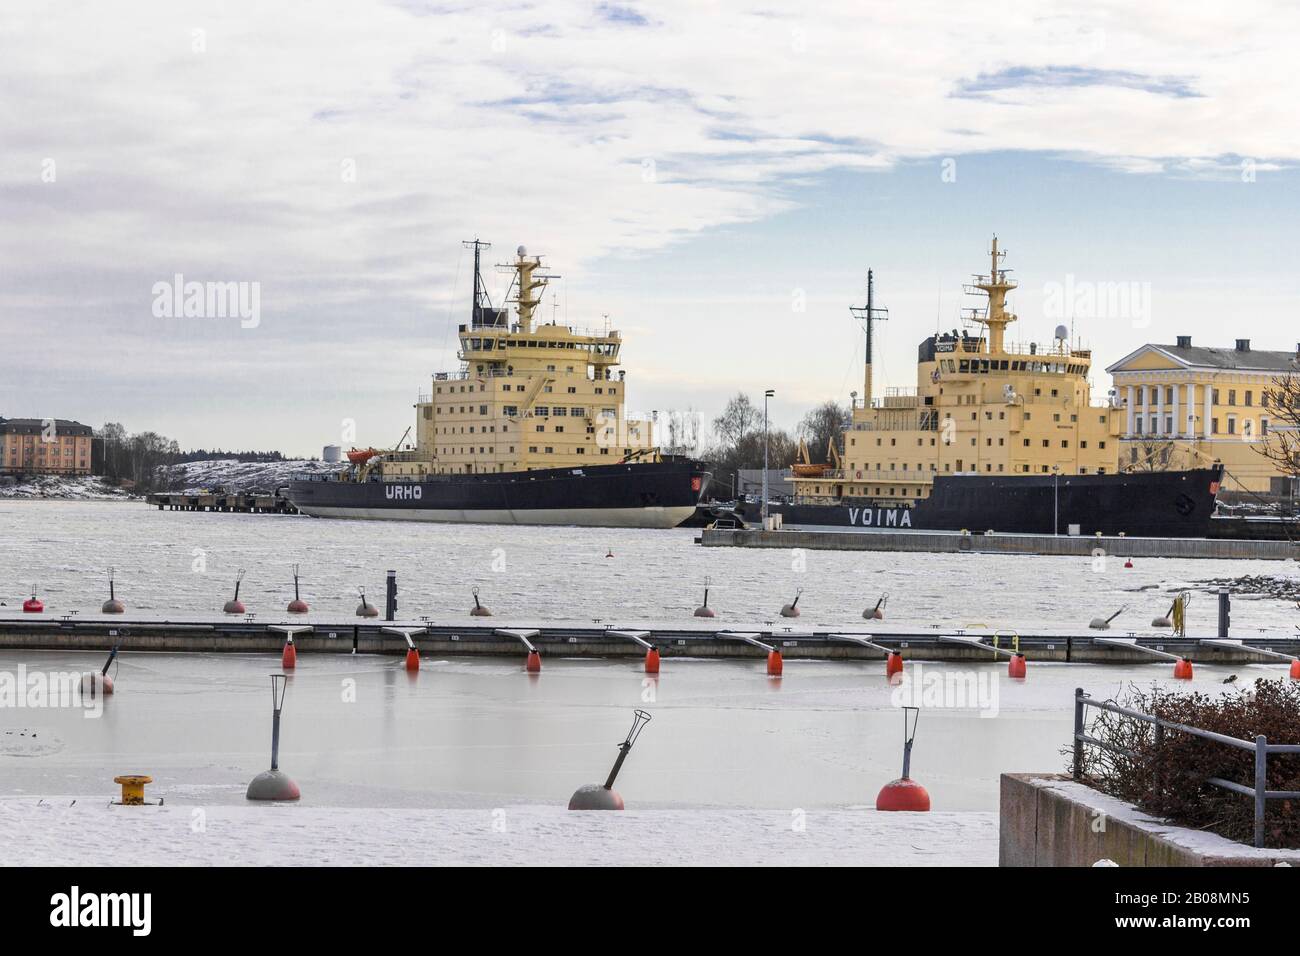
[
  {"x": 91, "y": 832},
  {"x": 194, "y": 477},
  {"x": 76, "y": 487}
]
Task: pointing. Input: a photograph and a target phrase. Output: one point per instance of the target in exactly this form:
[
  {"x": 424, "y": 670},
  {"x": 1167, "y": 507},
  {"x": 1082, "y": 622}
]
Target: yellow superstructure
[
  {"x": 980, "y": 406},
  {"x": 528, "y": 395},
  {"x": 1187, "y": 406}
]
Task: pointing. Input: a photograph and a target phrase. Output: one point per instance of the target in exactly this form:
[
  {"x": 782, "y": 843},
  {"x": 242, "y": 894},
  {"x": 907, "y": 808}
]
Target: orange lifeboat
[
  {"x": 359, "y": 456},
  {"x": 805, "y": 470}
]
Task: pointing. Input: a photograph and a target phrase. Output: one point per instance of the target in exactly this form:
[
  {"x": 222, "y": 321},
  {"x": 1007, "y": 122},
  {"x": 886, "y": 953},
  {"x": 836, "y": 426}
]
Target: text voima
[
  {"x": 403, "y": 492},
  {"x": 881, "y": 517}
]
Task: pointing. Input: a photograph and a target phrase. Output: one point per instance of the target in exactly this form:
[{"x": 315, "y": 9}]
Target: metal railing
[{"x": 1261, "y": 747}]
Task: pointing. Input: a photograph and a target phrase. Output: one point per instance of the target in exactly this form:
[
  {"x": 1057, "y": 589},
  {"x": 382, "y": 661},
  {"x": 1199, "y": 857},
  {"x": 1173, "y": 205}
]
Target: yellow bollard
[{"x": 133, "y": 789}]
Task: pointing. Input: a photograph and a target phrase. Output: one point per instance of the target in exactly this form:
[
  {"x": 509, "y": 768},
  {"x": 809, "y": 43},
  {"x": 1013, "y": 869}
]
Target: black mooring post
[
  {"x": 639, "y": 720},
  {"x": 277, "y": 705},
  {"x": 108, "y": 663},
  {"x": 909, "y": 735},
  {"x": 1225, "y": 612},
  {"x": 390, "y": 607},
  {"x": 356, "y": 634}
]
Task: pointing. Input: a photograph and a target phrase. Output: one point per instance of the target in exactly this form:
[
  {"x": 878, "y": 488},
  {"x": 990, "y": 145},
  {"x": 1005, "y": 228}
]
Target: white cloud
[{"x": 566, "y": 125}]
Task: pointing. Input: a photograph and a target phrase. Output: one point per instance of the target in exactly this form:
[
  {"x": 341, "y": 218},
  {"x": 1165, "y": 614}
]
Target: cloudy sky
[{"x": 715, "y": 177}]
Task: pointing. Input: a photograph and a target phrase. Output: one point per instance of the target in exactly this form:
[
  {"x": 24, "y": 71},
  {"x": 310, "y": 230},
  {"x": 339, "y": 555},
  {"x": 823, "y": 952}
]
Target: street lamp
[
  {"x": 1056, "y": 500},
  {"x": 766, "y": 395}
]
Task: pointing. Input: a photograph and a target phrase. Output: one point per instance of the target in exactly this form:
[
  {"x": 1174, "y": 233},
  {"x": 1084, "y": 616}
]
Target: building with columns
[{"x": 1187, "y": 406}]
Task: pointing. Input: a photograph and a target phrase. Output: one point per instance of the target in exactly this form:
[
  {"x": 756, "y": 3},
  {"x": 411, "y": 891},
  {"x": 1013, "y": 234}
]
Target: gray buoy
[
  {"x": 478, "y": 610},
  {"x": 112, "y": 605},
  {"x": 595, "y": 796},
  {"x": 876, "y": 613},
  {"x": 792, "y": 609},
  {"x": 365, "y": 608},
  {"x": 274, "y": 784},
  {"x": 1103, "y": 623},
  {"x": 234, "y": 605},
  {"x": 704, "y": 610}
]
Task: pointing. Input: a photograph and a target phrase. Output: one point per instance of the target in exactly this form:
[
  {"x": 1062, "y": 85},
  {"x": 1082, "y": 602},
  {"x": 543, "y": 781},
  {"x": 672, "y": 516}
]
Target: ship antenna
[
  {"x": 480, "y": 289},
  {"x": 869, "y": 315}
]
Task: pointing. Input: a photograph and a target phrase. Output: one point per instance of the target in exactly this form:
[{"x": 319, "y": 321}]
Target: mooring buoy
[
  {"x": 112, "y": 605},
  {"x": 33, "y": 604},
  {"x": 595, "y": 796},
  {"x": 1103, "y": 623},
  {"x": 652, "y": 661},
  {"x": 704, "y": 610},
  {"x": 297, "y": 605},
  {"x": 792, "y": 609},
  {"x": 478, "y": 610},
  {"x": 1182, "y": 669},
  {"x": 1016, "y": 666},
  {"x": 876, "y": 613},
  {"x": 234, "y": 605},
  {"x": 365, "y": 608},
  {"x": 274, "y": 784},
  {"x": 905, "y": 793}
]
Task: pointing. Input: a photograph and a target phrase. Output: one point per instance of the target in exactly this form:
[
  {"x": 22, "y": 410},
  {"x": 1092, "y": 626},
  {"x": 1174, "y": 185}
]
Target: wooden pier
[{"x": 224, "y": 501}]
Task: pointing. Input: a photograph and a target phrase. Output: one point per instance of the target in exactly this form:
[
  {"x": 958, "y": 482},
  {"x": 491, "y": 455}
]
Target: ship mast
[
  {"x": 869, "y": 315},
  {"x": 529, "y": 286},
  {"x": 996, "y": 285},
  {"x": 478, "y": 315}
]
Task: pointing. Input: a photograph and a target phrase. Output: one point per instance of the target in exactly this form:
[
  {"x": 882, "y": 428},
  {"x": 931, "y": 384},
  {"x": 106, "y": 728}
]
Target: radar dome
[
  {"x": 522, "y": 250},
  {"x": 1062, "y": 332}
]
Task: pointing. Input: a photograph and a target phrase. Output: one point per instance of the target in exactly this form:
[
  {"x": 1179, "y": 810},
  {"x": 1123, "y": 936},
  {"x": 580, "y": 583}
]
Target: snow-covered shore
[
  {"x": 194, "y": 477},
  {"x": 69, "y": 487},
  {"x": 59, "y": 832}
]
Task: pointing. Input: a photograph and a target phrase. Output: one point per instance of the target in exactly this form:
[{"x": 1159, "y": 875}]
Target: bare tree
[
  {"x": 737, "y": 420},
  {"x": 683, "y": 432},
  {"x": 824, "y": 424},
  {"x": 1151, "y": 454},
  {"x": 1281, "y": 445}
]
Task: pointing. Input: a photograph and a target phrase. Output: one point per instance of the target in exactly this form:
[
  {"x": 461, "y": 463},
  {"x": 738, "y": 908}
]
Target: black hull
[
  {"x": 1148, "y": 505},
  {"x": 635, "y": 495}
]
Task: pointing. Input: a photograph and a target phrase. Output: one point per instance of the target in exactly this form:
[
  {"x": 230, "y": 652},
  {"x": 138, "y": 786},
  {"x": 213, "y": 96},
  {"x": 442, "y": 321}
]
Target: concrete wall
[
  {"x": 1048, "y": 820},
  {"x": 951, "y": 543}
]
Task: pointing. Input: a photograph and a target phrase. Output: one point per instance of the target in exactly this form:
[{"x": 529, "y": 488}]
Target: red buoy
[
  {"x": 893, "y": 664},
  {"x": 32, "y": 605},
  {"x": 1016, "y": 667},
  {"x": 412, "y": 659},
  {"x": 652, "y": 661},
  {"x": 774, "y": 664},
  {"x": 534, "y": 664},
  {"x": 1183, "y": 669},
  {"x": 297, "y": 605},
  {"x": 1128, "y": 563},
  {"x": 289, "y": 659},
  {"x": 106, "y": 684},
  {"x": 234, "y": 607},
  {"x": 903, "y": 794},
  {"x": 1295, "y": 669}
]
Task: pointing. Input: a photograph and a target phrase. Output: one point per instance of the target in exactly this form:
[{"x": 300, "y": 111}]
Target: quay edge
[{"x": 1028, "y": 544}]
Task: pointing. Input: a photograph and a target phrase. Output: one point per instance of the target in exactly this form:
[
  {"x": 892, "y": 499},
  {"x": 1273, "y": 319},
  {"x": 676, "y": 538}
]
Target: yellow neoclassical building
[{"x": 1186, "y": 406}]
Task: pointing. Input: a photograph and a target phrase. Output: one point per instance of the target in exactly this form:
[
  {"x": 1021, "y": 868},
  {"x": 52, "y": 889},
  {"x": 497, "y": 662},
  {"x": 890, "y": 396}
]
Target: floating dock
[
  {"x": 626, "y": 640},
  {"x": 957, "y": 543}
]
